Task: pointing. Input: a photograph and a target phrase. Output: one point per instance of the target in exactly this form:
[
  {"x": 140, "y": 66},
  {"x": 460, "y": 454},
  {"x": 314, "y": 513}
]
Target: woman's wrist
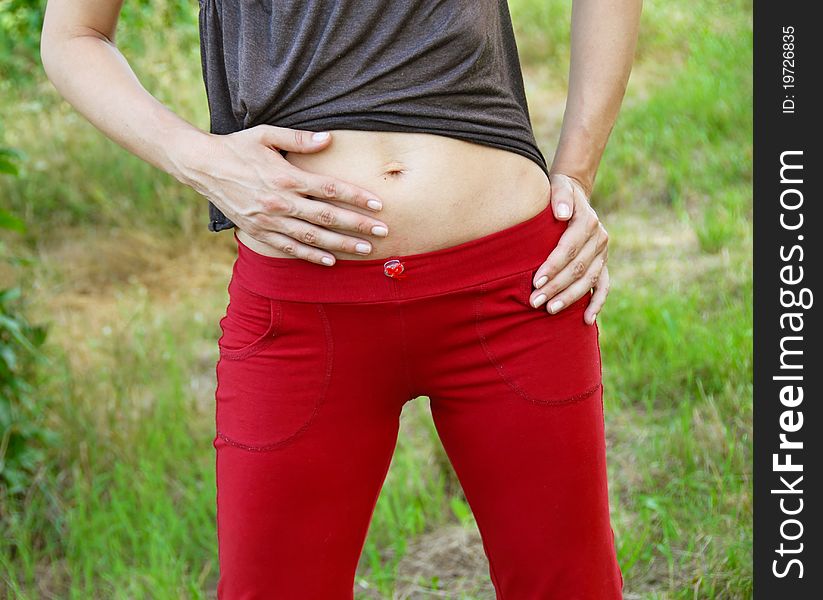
[
  {"x": 584, "y": 182},
  {"x": 186, "y": 154},
  {"x": 578, "y": 156}
]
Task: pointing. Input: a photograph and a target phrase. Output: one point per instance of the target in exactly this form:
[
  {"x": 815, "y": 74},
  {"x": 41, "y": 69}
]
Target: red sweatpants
[{"x": 315, "y": 366}]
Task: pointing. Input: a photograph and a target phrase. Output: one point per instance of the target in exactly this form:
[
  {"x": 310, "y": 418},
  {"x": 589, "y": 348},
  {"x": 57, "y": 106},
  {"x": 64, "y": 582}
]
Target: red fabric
[{"x": 315, "y": 366}]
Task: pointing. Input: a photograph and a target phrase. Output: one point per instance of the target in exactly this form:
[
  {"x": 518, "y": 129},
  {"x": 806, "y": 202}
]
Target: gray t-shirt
[{"x": 447, "y": 67}]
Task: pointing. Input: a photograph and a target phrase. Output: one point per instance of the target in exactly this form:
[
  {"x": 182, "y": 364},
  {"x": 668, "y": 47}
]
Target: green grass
[
  {"x": 676, "y": 373},
  {"x": 134, "y": 472},
  {"x": 124, "y": 506}
]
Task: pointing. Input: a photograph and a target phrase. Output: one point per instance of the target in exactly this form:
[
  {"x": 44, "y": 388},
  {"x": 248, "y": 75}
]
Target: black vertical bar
[{"x": 788, "y": 56}]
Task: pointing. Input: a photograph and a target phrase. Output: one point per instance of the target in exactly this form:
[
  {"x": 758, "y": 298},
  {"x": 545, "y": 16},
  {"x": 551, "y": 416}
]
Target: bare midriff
[{"x": 437, "y": 191}]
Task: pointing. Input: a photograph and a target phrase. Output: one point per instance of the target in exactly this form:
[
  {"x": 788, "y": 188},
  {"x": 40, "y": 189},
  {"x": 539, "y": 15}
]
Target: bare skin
[
  {"x": 428, "y": 203},
  {"x": 317, "y": 202}
]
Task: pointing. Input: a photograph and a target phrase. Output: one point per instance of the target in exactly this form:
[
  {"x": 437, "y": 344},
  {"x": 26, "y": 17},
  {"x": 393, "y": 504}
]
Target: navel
[{"x": 394, "y": 169}]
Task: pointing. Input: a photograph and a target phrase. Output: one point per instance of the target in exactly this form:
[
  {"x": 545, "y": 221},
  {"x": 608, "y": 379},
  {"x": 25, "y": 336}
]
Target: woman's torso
[
  {"x": 437, "y": 191},
  {"x": 401, "y": 86}
]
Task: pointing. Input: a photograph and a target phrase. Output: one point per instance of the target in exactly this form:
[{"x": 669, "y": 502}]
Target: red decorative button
[{"x": 393, "y": 268}]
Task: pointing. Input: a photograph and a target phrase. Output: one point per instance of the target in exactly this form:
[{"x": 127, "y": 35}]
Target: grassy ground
[{"x": 124, "y": 507}]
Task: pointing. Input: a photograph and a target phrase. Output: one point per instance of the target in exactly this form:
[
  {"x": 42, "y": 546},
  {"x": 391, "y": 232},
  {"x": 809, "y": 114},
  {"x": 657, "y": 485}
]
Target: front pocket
[
  {"x": 544, "y": 358},
  {"x": 272, "y": 374},
  {"x": 250, "y": 324}
]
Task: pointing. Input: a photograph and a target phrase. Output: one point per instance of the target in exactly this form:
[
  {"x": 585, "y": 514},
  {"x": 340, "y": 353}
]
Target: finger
[
  {"x": 568, "y": 275},
  {"x": 575, "y": 291},
  {"x": 601, "y": 290},
  {"x": 580, "y": 229},
  {"x": 297, "y": 249},
  {"x": 312, "y": 235},
  {"x": 562, "y": 198},
  {"x": 293, "y": 140},
  {"x": 329, "y": 188},
  {"x": 335, "y": 217}
]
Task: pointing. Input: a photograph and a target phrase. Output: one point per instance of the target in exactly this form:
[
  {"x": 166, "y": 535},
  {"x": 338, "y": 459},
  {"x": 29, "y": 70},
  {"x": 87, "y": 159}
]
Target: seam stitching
[
  {"x": 478, "y": 300},
  {"x": 397, "y": 301},
  {"x": 261, "y": 343},
  {"x": 395, "y": 297},
  {"x": 318, "y": 403},
  {"x": 406, "y": 361}
]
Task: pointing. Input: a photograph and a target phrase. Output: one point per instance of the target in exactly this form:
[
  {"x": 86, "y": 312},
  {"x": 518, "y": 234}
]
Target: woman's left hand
[{"x": 578, "y": 262}]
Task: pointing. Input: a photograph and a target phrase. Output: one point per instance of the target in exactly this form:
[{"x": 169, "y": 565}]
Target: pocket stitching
[
  {"x": 526, "y": 289},
  {"x": 263, "y": 341},
  {"x": 329, "y": 363}
]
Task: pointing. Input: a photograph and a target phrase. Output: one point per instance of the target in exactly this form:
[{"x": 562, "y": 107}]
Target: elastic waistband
[{"x": 518, "y": 248}]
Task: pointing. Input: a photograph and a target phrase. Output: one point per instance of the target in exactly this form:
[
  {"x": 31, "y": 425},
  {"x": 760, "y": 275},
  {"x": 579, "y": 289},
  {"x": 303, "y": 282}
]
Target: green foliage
[
  {"x": 726, "y": 219},
  {"x": 8, "y": 166},
  {"x": 697, "y": 339},
  {"x": 692, "y": 139},
  {"x": 461, "y": 510},
  {"x": 21, "y": 439},
  {"x": 99, "y": 182},
  {"x": 543, "y": 33},
  {"x": 22, "y": 20},
  {"x": 8, "y": 161}
]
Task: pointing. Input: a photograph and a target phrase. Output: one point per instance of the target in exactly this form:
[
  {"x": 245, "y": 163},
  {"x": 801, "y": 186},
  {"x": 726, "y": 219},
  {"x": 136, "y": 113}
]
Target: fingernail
[
  {"x": 363, "y": 248},
  {"x": 539, "y": 300},
  {"x": 380, "y": 230},
  {"x": 374, "y": 204},
  {"x": 557, "y": 305},
  {"x": 326, "y": 260},
  {"x": 320, "y": 136},
  {"x": 541, "y": 282},
  {"x": 563, "y": 210}
]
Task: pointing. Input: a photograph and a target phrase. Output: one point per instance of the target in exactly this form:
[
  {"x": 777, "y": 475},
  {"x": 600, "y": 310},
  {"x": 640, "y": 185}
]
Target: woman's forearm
[
  {"x": 89, "y": 71},
  {"x": 603, "y": 40},
  {"x": 242, "y": 173}
]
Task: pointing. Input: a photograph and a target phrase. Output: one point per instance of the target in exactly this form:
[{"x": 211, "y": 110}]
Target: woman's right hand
[
  {"x": 249, "y": 180},
  {"x": 242, "y": 173}
]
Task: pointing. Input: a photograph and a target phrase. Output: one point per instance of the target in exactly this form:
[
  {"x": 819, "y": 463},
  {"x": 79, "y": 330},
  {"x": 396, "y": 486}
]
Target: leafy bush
[
  {"x": 22, "y": 20},
  {"x": 22, "y": 439}
]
